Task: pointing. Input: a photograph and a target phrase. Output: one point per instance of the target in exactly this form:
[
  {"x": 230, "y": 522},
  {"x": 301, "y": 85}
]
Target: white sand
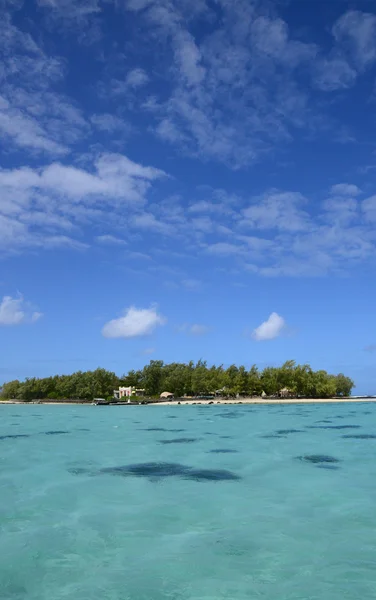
[{"x": 267, "y": 401}]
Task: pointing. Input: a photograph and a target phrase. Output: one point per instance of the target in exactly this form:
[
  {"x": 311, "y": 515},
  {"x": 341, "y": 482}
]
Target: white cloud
[
  {"x": 345, "y": 189},
  {"x": 331, "y": 74},
  {"x": 369, "y": 208},
  {"x": 110, "y": 239},
  {"x": 111, "y": 123},
  {"x": 224, "y": 249},
  {"x": 356, "y": 32},
  {"x": 136, "y": 78},
  {"x": 271, "y": 37},
  {"x": 37, "y": 203},
  {"x": 233, "y": 91},
  {"x": 278, "y": 210},
  {"x": 24, "y": 130},
  {"x": 14, "y": 311},
  {"x": 148, "y": 221},
  {"x": 269, "y": 329},
  {"x": 341, "y": 209},
  {"x": 134, "y": 323}
]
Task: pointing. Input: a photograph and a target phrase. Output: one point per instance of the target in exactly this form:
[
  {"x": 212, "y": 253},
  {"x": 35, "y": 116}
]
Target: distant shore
[
  {"x": 266, "y": 401},
  {"x": 197, "y": 401}
]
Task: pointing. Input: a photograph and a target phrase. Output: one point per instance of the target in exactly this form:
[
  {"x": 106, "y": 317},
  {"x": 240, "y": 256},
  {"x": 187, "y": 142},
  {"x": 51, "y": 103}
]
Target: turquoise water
[{"x": 93, "y": 504}]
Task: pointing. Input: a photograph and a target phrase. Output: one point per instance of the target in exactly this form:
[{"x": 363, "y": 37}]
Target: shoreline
[
  {"x": 190, "y": 402},
  {"x": 265, "y": 401}
]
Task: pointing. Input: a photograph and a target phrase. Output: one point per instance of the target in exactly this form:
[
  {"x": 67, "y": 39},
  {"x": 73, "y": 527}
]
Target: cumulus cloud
[
  {"x": 135, "y": 322},
  {"x": 269, "y": 329},
  {"x": 345, "y": 189},
  {"x": 14, "y": 311},
  {"x": 36, "y": 203}
]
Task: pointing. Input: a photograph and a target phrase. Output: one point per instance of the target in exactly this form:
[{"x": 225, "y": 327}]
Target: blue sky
[{"x": 185, "y": 179}]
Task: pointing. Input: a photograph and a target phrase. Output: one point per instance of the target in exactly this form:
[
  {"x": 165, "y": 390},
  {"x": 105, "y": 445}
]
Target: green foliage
[
  {"x": 344, "y": 385},
  {"x": 185, "y": 379},
  {"x": 81, "y": 385}
]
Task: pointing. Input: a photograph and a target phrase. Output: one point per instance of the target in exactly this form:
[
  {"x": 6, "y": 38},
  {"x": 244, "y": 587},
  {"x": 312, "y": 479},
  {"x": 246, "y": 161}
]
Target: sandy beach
[
  {"x": 266, "y": 401},
  {"x": 192, "y": 401}
]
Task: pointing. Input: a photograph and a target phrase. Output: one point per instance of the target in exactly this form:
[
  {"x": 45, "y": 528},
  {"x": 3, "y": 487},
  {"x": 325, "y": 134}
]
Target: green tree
[
  {"x": 269, "y": 381},
  {"x": 152, "y": 377},
  {"x": 241, "y": 381},
  {"x": 344, "y": 385},
  {"x": 200, "y": 378},
  {"x": 11, "y": 390},
  {"x": 181, "y": 378},
  {"x": 254, "y": 382}
]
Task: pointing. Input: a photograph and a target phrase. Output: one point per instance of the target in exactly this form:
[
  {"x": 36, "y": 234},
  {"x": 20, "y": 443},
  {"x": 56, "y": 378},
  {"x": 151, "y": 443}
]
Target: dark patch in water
[
  {"x": 179, "y": 441},
  {"x": 318, "y": 459},
  {"x": 172, "y": 417},
  {"x": 57, "y": 432},
  {"x": 14, "y": 415},
  {"x": 156, "y": 471},
  {"x": 324, "y": 421},
  {"x": 272, "y": 435},
  {"x": 360, "y": 436},
  {"x": 229, "y": 415},
  {"x": 284, "y": 431},
  {"x": 334, "y": 426},
  {"x": 223, "y": 451},
  {"x": 226, "y": 437},
  {"x": 163, "y": 429},
  {"x": 83, "y": 429},
  {"x": 154, "y": 429},
  {"x": 14, "y": 436}
]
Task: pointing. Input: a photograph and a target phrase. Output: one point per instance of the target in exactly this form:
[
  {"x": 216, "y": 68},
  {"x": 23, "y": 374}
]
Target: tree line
[{"x": 181, "y": 379}]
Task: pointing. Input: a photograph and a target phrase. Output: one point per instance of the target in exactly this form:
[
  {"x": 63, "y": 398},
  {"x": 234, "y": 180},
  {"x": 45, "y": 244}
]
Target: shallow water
[{"x": 257, "y": 502}]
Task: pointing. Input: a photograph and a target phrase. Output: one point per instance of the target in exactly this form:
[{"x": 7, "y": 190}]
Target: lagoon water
[{"x": 188, "y": 503}]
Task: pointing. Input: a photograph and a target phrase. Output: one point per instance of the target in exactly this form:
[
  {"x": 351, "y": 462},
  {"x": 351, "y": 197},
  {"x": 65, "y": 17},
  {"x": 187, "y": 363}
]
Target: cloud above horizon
[
  {"x": 15, "y": 311},
  {"x": 136, "y": 322},
  {"x": 227, "y": 93},
  {"x": 269, "y": 329}
]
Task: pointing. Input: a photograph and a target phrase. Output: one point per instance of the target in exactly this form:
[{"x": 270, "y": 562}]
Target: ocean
[{"x": 274, "y": 502}]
